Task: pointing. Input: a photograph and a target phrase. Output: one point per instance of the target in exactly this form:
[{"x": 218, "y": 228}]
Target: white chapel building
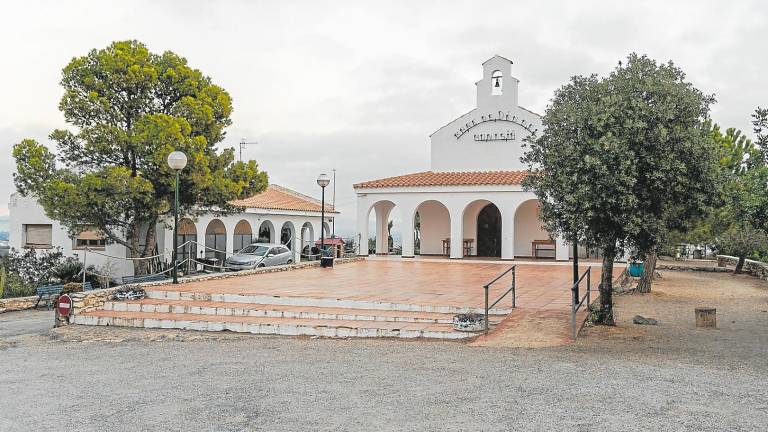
[{"x": 471, "y": 202}]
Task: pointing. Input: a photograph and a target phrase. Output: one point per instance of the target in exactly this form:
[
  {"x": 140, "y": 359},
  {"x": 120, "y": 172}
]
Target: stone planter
[{"x": 469, "y": 322}]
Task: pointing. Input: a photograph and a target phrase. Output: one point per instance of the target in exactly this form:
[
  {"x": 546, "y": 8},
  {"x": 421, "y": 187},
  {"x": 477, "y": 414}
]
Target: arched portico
[
  {"x": 385, "y": 228},
  {"x": 187, "y": 232},
  {"x": 242, "y": 235},
  {"x": 432, "y": 227},
  {"x": 307, "y": 239},
  {"x": 287, "y": 235},
  {"x": 266, "y": 232},
  {"x": 529, "y": 231},
  {"x": 216, "y": 240}
]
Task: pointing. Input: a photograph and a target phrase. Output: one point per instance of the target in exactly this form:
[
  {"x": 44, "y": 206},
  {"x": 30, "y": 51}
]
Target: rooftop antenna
[{"x": 244, "y": 143}]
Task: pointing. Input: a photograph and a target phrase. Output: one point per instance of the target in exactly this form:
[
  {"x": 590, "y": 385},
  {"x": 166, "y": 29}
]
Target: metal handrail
[
  {"x": 487, "y": 286},
  {"x": 577, "y": 303}
]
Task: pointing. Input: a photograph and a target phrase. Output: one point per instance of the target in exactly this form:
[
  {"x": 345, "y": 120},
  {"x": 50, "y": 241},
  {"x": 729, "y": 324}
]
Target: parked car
[
  {"x": 5, "y": 248},
  {"x": 260, "y": 255}
]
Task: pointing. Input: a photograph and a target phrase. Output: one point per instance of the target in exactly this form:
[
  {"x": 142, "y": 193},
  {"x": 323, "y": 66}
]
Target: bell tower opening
[{"x": 497, "y": 85}]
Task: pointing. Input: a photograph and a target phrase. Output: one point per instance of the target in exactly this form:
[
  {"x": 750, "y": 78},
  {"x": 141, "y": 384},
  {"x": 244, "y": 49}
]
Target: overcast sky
[{"x": 358, "y": 86}]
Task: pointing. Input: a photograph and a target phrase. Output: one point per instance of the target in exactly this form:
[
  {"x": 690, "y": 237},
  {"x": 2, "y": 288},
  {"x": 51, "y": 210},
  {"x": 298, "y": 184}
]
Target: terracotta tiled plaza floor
[{"x": 544, "y": 287}]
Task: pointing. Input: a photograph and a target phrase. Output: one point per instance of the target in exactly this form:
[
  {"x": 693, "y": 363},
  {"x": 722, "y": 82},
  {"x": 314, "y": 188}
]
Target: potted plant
[{"x": 469, "y": 322}]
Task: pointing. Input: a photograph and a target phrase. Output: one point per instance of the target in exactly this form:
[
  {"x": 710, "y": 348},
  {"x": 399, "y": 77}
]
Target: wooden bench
[
  {"x": 50, "y": 291},
  {"x": 142, "y": 278},
  {"x": 546, "y": 246}
]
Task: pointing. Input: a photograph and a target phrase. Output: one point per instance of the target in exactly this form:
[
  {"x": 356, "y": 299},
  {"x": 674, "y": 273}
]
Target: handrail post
[
  {"x": 486, "y": 309},
  {"x": 85, "y": 256},
  {"x": 589, "y": 286},
  {"x": 574, "y": 305},
  {"x": 514, "y": 289}
]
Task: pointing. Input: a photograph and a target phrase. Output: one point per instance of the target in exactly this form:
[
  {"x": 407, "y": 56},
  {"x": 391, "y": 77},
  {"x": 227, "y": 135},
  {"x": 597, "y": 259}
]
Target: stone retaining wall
[
  {"x": 755, "y": 268},
  {"x": 91, "y": 300},
  {"x": 678, "y": 267},
  {"x": 17, "y": 304}
]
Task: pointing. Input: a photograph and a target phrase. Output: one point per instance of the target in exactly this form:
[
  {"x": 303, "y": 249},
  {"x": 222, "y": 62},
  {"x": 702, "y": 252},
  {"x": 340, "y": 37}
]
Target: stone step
[
  {"x": 202, "y": 307},
  {"x": 263, "y": 299},
  {"x": 271, "y": 326}
]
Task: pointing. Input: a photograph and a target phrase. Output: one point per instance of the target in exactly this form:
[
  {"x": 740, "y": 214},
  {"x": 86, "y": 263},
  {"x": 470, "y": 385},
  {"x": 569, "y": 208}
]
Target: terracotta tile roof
[
  {"x": 276, "y": 197},
  {"x": 429, "y": 178}
]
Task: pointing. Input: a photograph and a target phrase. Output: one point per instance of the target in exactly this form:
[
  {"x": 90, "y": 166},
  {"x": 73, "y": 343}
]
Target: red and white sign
[{"x": 64, "y": 305}]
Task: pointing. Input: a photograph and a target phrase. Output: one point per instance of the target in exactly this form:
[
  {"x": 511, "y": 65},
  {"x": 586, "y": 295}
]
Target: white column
[
  {"x": 382, "y": 235},
  {"x": 296, "y": 249},
  {"x": 508, "y": 232},
  {"x": 561, "y": 249},
  {"x": 362, "y": 232},
  {"x": 407, "y": 232},
  {"x": 457, "y": 237}
]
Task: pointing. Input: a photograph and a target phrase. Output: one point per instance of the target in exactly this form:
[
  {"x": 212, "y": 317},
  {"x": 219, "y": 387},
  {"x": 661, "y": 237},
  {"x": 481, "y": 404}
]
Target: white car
[{"x": 260, "y": 255}]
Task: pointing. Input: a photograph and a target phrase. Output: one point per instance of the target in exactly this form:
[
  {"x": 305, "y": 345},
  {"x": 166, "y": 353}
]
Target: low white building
[
  {"x": 470, "y": 202},
  {"x": 276, "y": 215}
]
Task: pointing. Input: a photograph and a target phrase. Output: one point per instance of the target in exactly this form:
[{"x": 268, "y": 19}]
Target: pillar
[
  {"x": 457, "y": 237},
  {"x": 407, "y": 232},
  {"x": 507, "y": 232}
]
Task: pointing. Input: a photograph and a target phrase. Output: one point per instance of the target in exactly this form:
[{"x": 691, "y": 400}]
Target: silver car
[{"x": 260, "y": 255}]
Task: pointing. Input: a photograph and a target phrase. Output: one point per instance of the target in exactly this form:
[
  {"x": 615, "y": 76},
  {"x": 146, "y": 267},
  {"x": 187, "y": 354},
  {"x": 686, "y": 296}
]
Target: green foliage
[
  {"x": 760, "y": 128},
  {"x": 16, "y": 286},
  {"x": 130, "y": 108},
  {"x": 33, "y": 267},
  {"x": 70, "y": 270},
  {"x": 3, "y": 280},
  {"x": 743, "y": 241},
  {"x": 737, "y": 153},
  {"x": 624, "y": 158}
]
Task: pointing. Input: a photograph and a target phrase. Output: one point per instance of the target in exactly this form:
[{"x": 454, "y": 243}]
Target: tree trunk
[
  {"x": 649, "y": 269},
  {"x": 605, "y": 315},
  {"x": 139, "y": 265},
  {"x": 740, "y": 265}
]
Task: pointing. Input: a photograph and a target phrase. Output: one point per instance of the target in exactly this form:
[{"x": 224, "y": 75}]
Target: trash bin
[
  {"x": 326, "y": 261},
  {"x": 636, "y": 269}
]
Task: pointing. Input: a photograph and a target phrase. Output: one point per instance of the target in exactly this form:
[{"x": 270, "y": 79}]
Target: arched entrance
[
  {"x": 216, "y": 241},
  {"x": 287, "y": 234},
  {"x": 307, "y": 240},
  {"x": 266, "y": 232},
  {"x": 432, "y": 228},
  {"x": 385, "y": 233},
  {"x": 243, "y": 235},
  {"x": 187, "y": 232},
  {"x": 489, "y": 231},
  {"x": 531, "y": 240}
]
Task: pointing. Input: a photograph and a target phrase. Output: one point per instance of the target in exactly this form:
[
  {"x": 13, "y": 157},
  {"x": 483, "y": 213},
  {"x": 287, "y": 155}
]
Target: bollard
[{"x": 706, "y": 317}]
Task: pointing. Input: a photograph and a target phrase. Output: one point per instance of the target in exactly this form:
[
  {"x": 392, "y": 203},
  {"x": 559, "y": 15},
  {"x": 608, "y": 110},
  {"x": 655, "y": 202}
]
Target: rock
[{"x": 641, "y": 320}]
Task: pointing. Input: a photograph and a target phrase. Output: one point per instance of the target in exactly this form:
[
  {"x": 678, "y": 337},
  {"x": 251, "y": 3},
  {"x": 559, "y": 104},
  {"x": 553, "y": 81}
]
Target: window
[
  {"x": 496, "y": 83},
  {"x": 90, "y": 238},
  {"x": 38, "y": 236}
]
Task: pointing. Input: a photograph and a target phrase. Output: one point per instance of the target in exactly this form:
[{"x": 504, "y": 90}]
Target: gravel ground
[{"x": 669, "y": 377}]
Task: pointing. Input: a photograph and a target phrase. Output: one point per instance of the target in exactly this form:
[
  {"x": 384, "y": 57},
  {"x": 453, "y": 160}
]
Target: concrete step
[
  {"x": 202, "y": 307},
  {"x": 272, "y": 325},
  {"x": 261, "y": 299}
]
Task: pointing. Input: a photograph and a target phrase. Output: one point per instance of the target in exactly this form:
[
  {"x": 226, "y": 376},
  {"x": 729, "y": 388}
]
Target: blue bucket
[{"x": 636, "y": 269}]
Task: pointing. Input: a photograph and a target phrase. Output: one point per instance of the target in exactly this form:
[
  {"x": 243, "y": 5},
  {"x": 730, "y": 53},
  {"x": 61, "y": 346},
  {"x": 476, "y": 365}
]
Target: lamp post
[
  {"x": 177, "y": 161},
  {"x": 322, "y": 181}
]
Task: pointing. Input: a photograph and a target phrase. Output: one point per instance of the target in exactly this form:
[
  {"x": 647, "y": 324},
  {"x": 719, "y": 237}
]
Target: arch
[
  {"x": 386, "y": 238},
  {"x": 528, "y": 228},
  {"x": 432, "y": 228},
  {"x": 497, "y": 83},
  {"x": 266, "y": 232},
  {"x": 242, "y": 235},
  {"x": 307, "y": 240},
  {"x": 288, "y": 235},
  {"x": 216, "y": 241},
  {"x": 186, "y": 232},
  {"x": 490, "y": 243},
  {"x": 326, "y": 230}
]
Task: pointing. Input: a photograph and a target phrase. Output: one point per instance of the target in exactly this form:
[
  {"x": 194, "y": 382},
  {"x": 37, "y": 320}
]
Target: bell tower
[{"x": 498, "y": 88}]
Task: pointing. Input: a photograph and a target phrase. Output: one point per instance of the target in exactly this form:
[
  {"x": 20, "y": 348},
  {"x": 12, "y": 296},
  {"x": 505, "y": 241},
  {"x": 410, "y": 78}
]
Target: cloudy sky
[{"x": 358, "y": 86}]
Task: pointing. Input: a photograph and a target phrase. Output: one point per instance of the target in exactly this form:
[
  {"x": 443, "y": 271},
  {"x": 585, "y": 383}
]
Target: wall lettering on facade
[
  {"x": 504, "y": 116},
  {"x": 496, "y": 136}
]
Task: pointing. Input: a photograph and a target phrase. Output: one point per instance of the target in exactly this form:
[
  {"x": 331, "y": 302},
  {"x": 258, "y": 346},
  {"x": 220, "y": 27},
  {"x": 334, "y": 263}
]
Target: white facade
[
  {"x": 302, "y": 227},
  {"x": 466, "y": 156}
]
